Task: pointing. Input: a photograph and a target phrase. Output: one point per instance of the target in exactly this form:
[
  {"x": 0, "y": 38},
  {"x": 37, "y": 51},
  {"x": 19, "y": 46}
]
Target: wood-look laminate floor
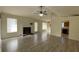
[{"x": 40, "y": 42}]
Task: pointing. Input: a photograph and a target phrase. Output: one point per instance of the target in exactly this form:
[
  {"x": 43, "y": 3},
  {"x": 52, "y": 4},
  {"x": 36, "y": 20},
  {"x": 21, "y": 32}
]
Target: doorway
[
  {"x": 49, "y": 27},
  {"x": 65, "y": 29},
  {"x": 46, "y": 26}
]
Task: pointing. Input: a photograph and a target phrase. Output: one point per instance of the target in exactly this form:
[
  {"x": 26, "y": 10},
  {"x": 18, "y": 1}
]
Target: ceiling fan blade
[{"x": 45, "y": 13}]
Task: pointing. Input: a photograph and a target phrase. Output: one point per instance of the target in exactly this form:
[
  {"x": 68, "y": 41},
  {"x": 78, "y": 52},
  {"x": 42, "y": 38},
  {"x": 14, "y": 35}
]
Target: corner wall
[
  {"x": 21, "y": 22},
  {"x": 74, "y": 28},
  {"x": 56, "y": 25}
]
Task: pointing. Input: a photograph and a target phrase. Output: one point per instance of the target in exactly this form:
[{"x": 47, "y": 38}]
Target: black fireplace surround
[{"x": 27, "y": 30}]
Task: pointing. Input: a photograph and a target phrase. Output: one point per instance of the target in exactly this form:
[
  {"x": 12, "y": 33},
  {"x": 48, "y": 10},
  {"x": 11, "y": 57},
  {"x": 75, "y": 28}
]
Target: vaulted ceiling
[{"x": 52, "y": 10}]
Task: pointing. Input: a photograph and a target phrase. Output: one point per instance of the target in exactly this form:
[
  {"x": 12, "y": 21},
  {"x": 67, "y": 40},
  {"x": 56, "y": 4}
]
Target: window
[
  {"x": 35, "y": 26},
  {"x": 44, "y": 26},
  {"x": 11, "y": 25}
]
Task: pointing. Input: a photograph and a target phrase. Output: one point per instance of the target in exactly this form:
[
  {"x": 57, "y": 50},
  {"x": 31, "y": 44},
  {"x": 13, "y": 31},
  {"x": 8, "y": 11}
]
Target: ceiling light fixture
[
  {"x": 42, "y": 11},
  {"x": 40, "y": 14}
]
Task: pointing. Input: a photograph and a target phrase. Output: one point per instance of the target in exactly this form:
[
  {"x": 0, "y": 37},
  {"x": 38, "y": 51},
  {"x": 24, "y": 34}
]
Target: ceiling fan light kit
[
  {"x": 41, "y": 14},
  {"x": 42, "y": 11}
]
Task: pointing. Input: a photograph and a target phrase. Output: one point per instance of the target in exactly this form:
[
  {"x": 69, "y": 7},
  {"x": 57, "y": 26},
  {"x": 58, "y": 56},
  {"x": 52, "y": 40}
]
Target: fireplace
[{"x": 26, "y": 30}]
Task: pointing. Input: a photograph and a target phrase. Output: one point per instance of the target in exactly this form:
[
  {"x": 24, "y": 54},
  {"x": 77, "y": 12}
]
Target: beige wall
[
  {"x": 22, "y": 22},
  {"x": 73, "y": 26},
  {"x": 56, "y": 25},
  {"x": 0, "y": 34},
  {"x": 0, "y": 28},
  {"x": 4, "y": 33}
]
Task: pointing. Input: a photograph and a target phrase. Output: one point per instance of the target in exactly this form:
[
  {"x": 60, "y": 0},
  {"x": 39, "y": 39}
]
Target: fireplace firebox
[{"x": 27, "y": 30}]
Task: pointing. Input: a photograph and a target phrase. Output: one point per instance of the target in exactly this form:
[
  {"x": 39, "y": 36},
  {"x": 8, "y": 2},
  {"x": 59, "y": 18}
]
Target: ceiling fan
[{"x": 41, "y": 12}]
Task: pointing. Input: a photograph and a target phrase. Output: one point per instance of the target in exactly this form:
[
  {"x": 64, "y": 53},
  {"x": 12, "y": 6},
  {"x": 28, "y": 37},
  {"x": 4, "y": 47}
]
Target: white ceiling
[{"x": 28, "y": 11}]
